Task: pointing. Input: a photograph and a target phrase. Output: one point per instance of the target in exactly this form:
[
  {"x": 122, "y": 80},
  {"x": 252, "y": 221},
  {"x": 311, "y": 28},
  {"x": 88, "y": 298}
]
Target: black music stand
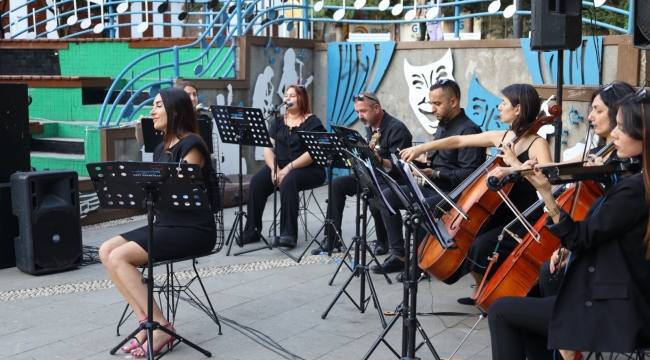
[
  {"x": 325, "y": 149},
  {"x": 418, "y": 214},
  {"x": 159, "y": 185},
  {"x": 370, "y": 194},
  {"x": 241, "y": 126},
  {"x": 359, "y": 147}
]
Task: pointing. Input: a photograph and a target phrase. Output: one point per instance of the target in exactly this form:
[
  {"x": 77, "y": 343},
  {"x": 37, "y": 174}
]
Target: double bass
[{"x": 478, "y": 203}]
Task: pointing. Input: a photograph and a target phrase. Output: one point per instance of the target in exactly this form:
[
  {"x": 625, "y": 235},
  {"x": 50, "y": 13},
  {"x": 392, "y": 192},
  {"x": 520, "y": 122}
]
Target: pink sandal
[
  {"x": 145, "y": 348},
  {"x": 134, "y": 343}
]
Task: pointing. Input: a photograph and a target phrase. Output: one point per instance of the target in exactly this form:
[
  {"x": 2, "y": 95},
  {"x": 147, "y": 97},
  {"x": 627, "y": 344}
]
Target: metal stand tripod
[
  {"x": 408, "y": 308},
  {"x": 361, "y": 270}
]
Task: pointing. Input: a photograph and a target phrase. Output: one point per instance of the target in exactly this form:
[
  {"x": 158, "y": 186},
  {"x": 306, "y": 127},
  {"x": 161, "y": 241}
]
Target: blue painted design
[
  {"x": 350, "y": 75},
  {"x": 275, "y": 49},
  {"x": 564, "y": 132},
  {"x": 574, "y": 117},
  {"x": 482, "y": 108},
  {"x": 303, "y": 54},
  {"x": 581, "y": 67}
]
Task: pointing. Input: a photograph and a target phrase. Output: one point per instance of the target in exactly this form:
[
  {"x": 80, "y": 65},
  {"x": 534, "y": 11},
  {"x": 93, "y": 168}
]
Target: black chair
[
  {"x": 171, "y": 286},
  {"x": 306, "y": 197}
]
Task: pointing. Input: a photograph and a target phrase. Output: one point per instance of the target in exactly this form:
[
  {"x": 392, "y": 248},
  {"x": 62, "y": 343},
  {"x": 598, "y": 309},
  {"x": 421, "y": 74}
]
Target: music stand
[
  {"x": 370, "y": 194},
  {"x": 325, "y": 150},
  {"x": 241, "y": 126},
  {"x": 159, "y": 185},
  {"x": 359, "y": 147},
  {"x": 418, "y": 214}
]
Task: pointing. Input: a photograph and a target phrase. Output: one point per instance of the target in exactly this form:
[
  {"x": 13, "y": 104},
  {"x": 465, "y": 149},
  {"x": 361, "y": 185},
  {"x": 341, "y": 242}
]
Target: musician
[
  {"x": 393, "y": 135},
  {"x": 519, "y": 109},
  {"x": 604, "y": 301},
  {"x": 603, "y": 118},
  {"x": 448, "y": 168},
  {"x": 191, "y": 90},
  {"x": 177, "y": 233},
  {"x": 296, "y": 170}
]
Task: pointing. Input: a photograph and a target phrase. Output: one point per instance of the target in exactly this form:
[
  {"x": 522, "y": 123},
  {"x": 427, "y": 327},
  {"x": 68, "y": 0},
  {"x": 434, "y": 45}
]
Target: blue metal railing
[{"x": 234, "y": 24}]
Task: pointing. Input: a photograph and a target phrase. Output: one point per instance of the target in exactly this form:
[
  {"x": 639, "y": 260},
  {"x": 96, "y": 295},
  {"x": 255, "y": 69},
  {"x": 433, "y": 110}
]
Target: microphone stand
[{"x": 274, "y": 240}]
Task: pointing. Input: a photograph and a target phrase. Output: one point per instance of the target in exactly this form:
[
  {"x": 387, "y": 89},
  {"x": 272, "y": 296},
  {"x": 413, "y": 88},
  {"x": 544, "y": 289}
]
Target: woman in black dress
[
  {"x": 296, "y": 170},
  {"x": 177, "y": 233},
  {"x": 603, "y": 303}
]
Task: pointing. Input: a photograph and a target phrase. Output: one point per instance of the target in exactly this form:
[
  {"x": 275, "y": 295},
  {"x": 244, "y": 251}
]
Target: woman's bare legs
[{"x": 121, "y": 257}]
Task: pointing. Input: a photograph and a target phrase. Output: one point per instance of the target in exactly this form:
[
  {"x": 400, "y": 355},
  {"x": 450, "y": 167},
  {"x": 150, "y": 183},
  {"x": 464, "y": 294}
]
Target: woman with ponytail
[{"x": 603, "y": 303}]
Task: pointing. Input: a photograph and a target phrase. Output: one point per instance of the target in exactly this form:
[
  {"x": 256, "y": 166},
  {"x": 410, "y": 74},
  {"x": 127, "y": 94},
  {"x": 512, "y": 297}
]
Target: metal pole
[
  {"x": 518, "y": 21},
  {"x": 558, "y": 120}
]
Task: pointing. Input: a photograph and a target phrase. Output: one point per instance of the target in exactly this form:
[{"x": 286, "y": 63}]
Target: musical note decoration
[
  {"x": 72, "y": 19},
  {"x": 123, "y": 7},
  {"x": 574, "y": 117},
  {"x": 494, "y": 6},
  {"x": 397, "y": 9},
  {"x": 204, "y": 47},
  {"x": 383, "y": 5},
  {"x": 275, "y": 49},
  {"x": 54, "y": 23},
  {"x": 510, "y": 10},
  {"x": 143, "y": 26},
  {"x": 410, "y": 15}
]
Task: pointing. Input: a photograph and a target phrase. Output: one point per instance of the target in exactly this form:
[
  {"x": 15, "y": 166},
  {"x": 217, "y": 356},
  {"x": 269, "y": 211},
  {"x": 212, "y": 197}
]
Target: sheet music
[{"x": 409, "y": 177}]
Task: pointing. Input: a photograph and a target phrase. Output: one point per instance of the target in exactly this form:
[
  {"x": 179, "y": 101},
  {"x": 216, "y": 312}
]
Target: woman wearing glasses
[
  {"x": 603, "y": 119},
  {"x": 604, "y": 301},
  {"x": 295, "y": 171},
  {"x": 519, "y": 110}
]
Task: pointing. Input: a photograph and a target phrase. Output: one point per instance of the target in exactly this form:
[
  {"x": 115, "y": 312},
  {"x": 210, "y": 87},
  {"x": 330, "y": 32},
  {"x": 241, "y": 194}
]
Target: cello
[
  {"x": 478, "y": 203},
  {"x": 520, "y": 271}
]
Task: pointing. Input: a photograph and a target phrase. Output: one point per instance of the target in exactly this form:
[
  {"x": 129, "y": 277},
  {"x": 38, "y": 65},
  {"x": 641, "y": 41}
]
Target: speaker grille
[
  {"x": 56, "y": 243},
  {"x": 643, "y": 19}
]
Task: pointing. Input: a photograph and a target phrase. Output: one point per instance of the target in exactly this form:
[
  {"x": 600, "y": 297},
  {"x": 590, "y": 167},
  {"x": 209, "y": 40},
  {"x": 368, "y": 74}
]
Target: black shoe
[
  {"x": 391, "y": 264},
  {"x": 381, "y": 248},
  {"x": 400, "y": 276},
  {"x": 288, "y": 241},
  {"x": 249, "y": 239},
  {"x": 323, "y": 247},
  {"x": 466, "y": 301}
]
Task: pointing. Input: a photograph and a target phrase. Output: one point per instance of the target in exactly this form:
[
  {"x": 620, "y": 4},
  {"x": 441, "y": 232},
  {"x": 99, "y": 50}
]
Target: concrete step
[{"x": 58, "y": 145}]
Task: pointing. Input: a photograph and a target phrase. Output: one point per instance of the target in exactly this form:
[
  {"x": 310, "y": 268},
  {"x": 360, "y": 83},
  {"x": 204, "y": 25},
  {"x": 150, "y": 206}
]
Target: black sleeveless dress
[
  {"x": 522, "y": 195},
  {"x": 179, "y": 233}
]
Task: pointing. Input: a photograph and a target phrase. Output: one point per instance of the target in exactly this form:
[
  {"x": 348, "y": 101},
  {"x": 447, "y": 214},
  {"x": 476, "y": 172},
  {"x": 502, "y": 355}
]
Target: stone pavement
[{"x": 73, "y": 314}]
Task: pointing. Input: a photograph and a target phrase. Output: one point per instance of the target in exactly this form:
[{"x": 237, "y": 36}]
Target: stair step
[
  {"x": 60, "y": 145},
  {"x": 57, "y": 155}
]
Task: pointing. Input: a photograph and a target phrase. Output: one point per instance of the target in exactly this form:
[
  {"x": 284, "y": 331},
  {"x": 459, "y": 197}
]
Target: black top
[
  {"x": 394, "y": 135},
  {"x": 604, "y": 300},
  {"x": 457, "y": 164},
  {"x": 202, "y": 219},
  {"x": 523, "y": 194},
  {"x": 287, "y": 143}
]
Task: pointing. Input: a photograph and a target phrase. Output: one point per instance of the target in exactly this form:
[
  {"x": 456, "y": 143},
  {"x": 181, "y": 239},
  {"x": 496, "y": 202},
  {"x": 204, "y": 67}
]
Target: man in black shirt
[
  {"x": 393, "y": 135},
  {"x": 448, "y": 168}
]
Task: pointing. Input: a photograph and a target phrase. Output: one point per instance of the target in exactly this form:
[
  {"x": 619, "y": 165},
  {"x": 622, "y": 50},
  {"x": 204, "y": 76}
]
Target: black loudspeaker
[
  {"x": 8, "y": 228},
  {"x": 47, "y": 206},
  {"x": 14, "y": 130},
  {"x": 641, "y": 34},
  {"x": 556, "y": 25}
]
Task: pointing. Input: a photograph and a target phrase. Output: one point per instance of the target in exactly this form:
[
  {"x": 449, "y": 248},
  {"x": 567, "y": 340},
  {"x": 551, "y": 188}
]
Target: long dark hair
[
  {"x": 527, "y": 98},
  {"x": 610, "y": 94},
  {"x": 181, "y": 118},
  {"x": 634, "y": 110},
  {"x": 302, "y": 99}
]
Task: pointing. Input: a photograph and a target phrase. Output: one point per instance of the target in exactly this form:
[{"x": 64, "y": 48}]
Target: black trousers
[
  {"x": 546, "y": 286},
  {"x": 519, "y": 328},
  {"x": 342, "y": 187},
  {"x": 394, "y": 224},
  {"x": 261, "y": 187}
]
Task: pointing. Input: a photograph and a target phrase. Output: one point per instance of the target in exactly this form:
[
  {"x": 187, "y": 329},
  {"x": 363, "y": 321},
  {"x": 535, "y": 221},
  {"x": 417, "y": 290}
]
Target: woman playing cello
[
  {"x": 603, "y": 119},
  {"x": 519, "y": 110},
  {"x": 603, "y": 303}
]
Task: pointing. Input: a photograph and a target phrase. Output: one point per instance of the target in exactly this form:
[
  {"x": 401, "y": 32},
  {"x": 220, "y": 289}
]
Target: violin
[{"x": 477, "y": 205}]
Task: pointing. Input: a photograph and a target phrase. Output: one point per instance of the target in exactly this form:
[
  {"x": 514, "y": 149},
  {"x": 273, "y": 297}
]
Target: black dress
[
  {"x": 288, "y": 148},
  {"x": 523, "y": 194},
  {"x": 179, "y": 233}
]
